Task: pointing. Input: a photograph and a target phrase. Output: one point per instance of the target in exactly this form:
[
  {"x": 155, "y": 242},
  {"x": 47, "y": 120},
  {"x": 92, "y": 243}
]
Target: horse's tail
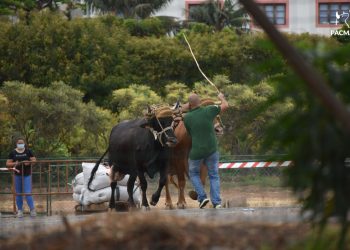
[{"x": 94, "y": 170}]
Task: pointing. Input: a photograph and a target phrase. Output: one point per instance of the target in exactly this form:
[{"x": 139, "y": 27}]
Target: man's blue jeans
[
  {"x": 23, "y": 184},
  {"x": 212, "y": 163}
]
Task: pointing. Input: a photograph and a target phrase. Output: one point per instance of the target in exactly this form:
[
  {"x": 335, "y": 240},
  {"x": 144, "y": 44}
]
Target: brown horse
[{"x": 178, "y": 162}]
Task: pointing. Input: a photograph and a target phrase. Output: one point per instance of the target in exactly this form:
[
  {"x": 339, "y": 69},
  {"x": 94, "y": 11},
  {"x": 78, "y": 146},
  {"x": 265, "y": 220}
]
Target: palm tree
[
  {"x": 130, "y": 8},
  {"x": 218, "y": 15},
  {"x": 12, "y": 6}
]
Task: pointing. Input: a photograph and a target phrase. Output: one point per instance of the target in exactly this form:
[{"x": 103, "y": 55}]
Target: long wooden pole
[{"x": 304, "y": 69}]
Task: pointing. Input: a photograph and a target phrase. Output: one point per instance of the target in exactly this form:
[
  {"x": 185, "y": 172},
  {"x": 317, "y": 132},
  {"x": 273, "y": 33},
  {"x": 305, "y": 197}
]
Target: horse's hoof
[
  {"x": 153, "y": 203},
  {"x": 145, "y": 208},
  {"x": 193, "y": 195},
  {"x": 181, "y": 206},
  {"x": 169, "y": 206}
]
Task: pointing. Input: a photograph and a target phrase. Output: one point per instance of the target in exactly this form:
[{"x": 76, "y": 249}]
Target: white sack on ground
[
  {"x": 104, "y": 195},
  {"x": 124, "y": 181},
  {"x": 101, "y": 179},
  {"x": 77, "y": 188},
  {"x": 78, "y": 179},
  {"x": 77, "y": 197}
]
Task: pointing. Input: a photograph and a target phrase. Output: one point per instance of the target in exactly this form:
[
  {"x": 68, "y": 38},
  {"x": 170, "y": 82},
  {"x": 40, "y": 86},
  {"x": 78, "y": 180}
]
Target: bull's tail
[
  {"x": 171, "y": 180},
  {"x": 94, "y": 170}
]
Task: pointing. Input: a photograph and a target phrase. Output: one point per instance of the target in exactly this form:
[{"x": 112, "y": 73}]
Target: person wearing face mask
[{"x": 23, "y": 175}]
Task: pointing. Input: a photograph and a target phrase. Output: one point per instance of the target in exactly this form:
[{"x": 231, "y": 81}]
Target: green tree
[
  {"x": 130, "y": 102},
  {"x": 11, "y": 7},
  {"x": 217, "y": 14},
  {"x": 50, "y": 117},
  {"x": 311, "y": 137},
  {"x": 15, "y": 7},
  {"x": 145, "y": 27},
  {"x": 86, "y": 54},
  {"x": 130, "y": 9},
  {"x": 99, "y": 55},
  {"x": 6, "y": 130},
  {"x": 91, "y": 137},
  {"x": 176, "y": 92}
]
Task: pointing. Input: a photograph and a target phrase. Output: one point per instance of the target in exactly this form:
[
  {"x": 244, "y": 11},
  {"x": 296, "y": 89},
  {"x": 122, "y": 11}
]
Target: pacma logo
[
  {"x": 344, "y": 16},
  {"x": 340, "y": 32},
  {"x": 339, "y": 18}
]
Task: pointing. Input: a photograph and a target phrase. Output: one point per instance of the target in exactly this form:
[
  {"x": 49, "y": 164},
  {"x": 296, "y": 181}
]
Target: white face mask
[{"x": 20, "y": 146}]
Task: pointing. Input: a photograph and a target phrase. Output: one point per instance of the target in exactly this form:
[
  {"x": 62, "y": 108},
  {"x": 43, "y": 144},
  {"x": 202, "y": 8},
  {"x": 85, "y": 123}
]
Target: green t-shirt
[{"x": 199, "y": 124}]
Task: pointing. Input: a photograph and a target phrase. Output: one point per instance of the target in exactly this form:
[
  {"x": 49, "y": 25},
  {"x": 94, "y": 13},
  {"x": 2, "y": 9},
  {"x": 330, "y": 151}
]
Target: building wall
[
  {"x": 301, "y": 14},
  {"x": 303, "y": 17},
  {"x": 176, "y": 8}
]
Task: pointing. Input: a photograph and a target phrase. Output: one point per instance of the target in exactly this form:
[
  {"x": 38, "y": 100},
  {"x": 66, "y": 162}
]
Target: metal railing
[
  {"x": 51, "y": 181},
  {"x": 49, "y": 178}
]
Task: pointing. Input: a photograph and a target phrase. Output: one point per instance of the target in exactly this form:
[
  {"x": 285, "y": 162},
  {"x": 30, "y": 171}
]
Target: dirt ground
[
  {"x": 247, "y": 196},
  {"x": 155, "y": 230},
  {"x": 168, "y": 230}
]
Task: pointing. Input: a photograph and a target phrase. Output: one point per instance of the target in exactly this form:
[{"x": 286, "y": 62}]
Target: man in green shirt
[{"x": 199, "y": 125}]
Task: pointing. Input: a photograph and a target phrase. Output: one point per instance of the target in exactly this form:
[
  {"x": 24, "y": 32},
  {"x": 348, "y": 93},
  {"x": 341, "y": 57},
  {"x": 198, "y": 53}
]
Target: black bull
[{"x": 136, "y": 147}]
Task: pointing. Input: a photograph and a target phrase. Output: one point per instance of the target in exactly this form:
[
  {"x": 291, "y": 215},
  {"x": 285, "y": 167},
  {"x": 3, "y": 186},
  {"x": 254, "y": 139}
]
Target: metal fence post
[
  {"x": 49, "y": 191},
  {"x": 13, "y": 193}
]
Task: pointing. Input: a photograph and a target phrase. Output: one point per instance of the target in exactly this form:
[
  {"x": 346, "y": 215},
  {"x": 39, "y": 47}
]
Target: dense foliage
[
  {"x": 129, "y": 9},
  {"x": 309, "y": 134},
  {"x": 12, "y": 7},
  {"x": 53, "y": 120},
  {"x": 218, "y": 14},
  {"x": 53, "y": 71},
  {"x": 124, "y": 64},
  {"x": 100, "y": 55}
]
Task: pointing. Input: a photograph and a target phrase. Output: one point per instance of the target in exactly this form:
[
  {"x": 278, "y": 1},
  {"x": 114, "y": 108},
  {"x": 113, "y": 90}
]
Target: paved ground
[{"x": 10, "y": 226}]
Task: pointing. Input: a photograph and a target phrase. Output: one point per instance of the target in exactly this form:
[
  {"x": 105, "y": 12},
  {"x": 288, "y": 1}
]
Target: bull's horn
[{"x": 177, "y": 105}]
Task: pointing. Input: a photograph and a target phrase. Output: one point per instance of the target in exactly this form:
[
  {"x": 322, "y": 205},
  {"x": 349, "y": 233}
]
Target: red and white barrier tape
[{"x": 269, "y": 164}]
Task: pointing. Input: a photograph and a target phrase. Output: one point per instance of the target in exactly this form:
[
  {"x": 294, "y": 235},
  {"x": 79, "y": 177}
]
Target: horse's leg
[
  {"x": 143, "y": 184},
  {"x": 181, "y": 203},
  {"x": 168, "y": 201}
]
